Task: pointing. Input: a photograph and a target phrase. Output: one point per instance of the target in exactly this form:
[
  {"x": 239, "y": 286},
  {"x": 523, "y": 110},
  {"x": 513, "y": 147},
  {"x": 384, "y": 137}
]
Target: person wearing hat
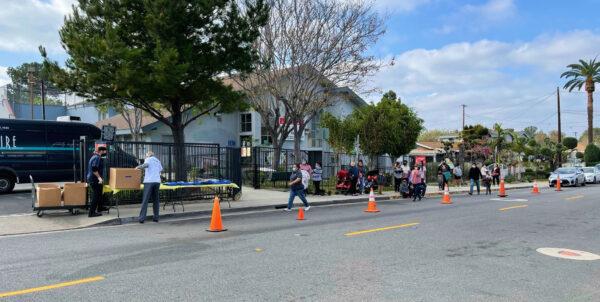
[{"x": 94, "y": 178}]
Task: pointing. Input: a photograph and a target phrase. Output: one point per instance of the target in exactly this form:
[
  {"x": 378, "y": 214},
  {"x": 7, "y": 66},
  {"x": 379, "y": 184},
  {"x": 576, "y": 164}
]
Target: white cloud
[
  {"x": 478, "y": 17},
  {"x": 499, "y": 81},
  {"x": 26, "y": 24},
  {"x": 493, "y": 10},
  {"x": 4, "y": 79},
  {"x": 399, "y": 5}
]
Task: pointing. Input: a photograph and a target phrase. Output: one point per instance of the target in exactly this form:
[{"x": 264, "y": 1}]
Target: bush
[
  {"x": 591, "y": 155},
  {"x": 570, "y": 142},
  {"x": 579, "y": 155}
]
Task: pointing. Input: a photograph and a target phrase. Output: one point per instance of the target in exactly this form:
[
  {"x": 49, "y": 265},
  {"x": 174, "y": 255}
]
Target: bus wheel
[{"x": 7, "y": 183}]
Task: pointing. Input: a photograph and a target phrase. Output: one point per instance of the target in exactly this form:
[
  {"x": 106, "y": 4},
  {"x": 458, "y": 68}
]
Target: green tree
[
  {"x": 584, "y": 74},
  {"x": 387, "y": 127},
  {"x": 569, "y": 142},
  {"x": 342, "y": 132},
  {"x": 591, "y": 156},
  {"x": 18, "y": 89},
  {"x": 164, "y": 56}
]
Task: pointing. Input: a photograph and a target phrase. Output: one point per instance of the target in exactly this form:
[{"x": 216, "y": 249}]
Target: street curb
[{"x": 129, "y": 220}]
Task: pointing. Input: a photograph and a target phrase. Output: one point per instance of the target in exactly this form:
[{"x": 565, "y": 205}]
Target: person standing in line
[
  {"x": 152, "y": 168},
  {"x": 361, "y": 176},
  {"x": 487, "y": 183},
  {"x": 353, "y": 173},
  {"x": 474, "y": 176},
  {"x": 406, "y": 171},
  {"x": 417, "y": 181},
  {"x": 296, "y": 189},
  {"x": 496, "y": 175},
  {"x": 423, "y": 171},
  {"x": 94, "y": 178},
  {"x": 457, "y": 171},
  {"x": 397, "y": 176},
  {"x": 317, "y": 177}
]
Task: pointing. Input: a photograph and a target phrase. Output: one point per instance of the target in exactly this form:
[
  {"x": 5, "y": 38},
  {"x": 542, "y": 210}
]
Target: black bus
[{"x": 46, "y": 150}]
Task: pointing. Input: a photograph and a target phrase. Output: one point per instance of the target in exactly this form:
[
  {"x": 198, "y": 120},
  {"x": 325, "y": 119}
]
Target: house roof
[
  {"x": 431, "y": 148},
  {"x": 581, "y": 146},
  {"x": 121, "y": 124}
]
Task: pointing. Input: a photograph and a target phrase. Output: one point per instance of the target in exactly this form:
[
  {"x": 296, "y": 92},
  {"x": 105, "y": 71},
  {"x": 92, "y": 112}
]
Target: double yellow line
[{"x": 49, "y": 287}]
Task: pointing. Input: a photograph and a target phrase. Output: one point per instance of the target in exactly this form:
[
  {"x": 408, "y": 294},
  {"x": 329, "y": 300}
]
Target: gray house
[{"x": 238, "y": 129}]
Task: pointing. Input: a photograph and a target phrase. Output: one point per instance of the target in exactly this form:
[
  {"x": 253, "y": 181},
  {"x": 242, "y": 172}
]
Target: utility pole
[
  {"x": 559, "y": 128},
  {"x": 463, "y": 116}
]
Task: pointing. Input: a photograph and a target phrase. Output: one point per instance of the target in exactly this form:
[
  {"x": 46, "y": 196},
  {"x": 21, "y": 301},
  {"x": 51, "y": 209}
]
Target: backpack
[{"x": 305, "y": 178}]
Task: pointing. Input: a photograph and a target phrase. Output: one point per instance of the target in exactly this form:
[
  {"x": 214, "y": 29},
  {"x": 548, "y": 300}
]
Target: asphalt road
[
  {"x": 16, "y": 202},
  {"x": 468, "y": 251}
]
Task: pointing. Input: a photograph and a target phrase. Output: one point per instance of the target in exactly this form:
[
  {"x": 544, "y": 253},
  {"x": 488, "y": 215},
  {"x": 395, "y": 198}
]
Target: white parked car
[
  {"x": 592, "y": 175},
  {"x": 568, "y": 177}
]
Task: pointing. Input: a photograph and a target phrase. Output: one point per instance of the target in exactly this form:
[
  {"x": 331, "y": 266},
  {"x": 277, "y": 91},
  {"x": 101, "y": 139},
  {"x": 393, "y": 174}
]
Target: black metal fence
[
  {"x": 203, "y": 161},
  {"x": 261, "y": 169}
]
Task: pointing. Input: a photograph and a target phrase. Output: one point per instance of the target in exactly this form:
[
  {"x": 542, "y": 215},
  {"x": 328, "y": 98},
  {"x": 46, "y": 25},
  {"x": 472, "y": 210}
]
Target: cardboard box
[
  {"x": 125, "y": 178},
  {"x": 75, "y": 194},
  {"x": 48, "y": 195}
]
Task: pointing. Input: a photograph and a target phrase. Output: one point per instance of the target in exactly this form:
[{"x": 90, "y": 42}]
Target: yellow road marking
[
  {"x": 514, "y": 207},
  {"x": 49, "y": 287},
  {"x": 575, "y": 197},
  {"x": 381, "y": 229}
]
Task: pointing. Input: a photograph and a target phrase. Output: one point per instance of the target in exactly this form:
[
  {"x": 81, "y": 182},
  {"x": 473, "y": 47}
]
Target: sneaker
[
  {"x": 94, "y": 214},
  {"x": 307, "y": 208},
  {"x": 287, "y": 210}
]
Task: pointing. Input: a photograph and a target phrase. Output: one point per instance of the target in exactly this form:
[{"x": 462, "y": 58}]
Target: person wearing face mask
[
  {"x": 317, "y": 177},
  {"x": 152, "y": 168},
  {"x": 297, "y": 189},
  {"x": 94, "y": 178},
  {"x": 353, "y": 173}
]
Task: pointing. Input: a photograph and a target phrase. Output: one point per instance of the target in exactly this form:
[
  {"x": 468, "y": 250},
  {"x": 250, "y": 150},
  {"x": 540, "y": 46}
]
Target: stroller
[
  {"x": 372, "y": 180},
  {"x": 343, "y": 183}
]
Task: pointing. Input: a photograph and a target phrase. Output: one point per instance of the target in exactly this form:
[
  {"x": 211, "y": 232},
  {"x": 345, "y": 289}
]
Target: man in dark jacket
[
  {"x": 474, "y": 176},
  {"x": 94, "y": 178}
]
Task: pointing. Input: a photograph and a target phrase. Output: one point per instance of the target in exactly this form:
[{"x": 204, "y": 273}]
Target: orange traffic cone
[
  {"x": 300, "y": 214},
  {"x": 558, "y": 183},
  {"x": 502, "y": 191},
  {"x": 216, "y": 223},
  {"x": 446, "y": 199},
  {"x": 536, "y": 189},
  {"x": 372, "y": 205}
]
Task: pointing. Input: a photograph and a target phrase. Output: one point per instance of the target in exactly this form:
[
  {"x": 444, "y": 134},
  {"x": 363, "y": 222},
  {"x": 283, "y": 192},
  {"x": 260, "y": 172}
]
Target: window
[
  {"x": 265, "y": 137},
  {"x": 246, "y": 122}
]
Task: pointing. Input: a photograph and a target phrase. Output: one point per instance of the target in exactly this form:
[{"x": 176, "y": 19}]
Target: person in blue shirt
[
  {"x": 297, "y": 189},
  {"x": 152, "y": 168},
  {"x": 94, "y": 178}
]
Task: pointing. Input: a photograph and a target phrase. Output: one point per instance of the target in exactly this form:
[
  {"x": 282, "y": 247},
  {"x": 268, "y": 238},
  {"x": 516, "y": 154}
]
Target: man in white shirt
[{"x": 152, "y": 171}]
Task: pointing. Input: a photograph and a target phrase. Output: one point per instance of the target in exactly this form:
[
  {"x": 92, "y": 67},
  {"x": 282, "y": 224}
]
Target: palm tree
[{"x": 584, "y": 73}]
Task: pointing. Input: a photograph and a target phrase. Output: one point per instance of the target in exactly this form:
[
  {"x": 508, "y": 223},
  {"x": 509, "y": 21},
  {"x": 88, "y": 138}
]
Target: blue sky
[{"x": 502, "y": 58}]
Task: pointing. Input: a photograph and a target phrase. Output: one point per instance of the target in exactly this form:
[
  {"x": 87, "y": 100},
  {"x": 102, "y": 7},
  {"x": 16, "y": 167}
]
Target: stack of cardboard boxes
[{"x": 51, "y": 195}]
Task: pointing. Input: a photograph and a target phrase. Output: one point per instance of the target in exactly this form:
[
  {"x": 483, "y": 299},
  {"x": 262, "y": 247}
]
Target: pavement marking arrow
[
  {"x": 49, "y": 287},
  {"x": 513, "y": 207},
  {"x": 575, "y": 197},
  {"x": 381, "y": 229}
]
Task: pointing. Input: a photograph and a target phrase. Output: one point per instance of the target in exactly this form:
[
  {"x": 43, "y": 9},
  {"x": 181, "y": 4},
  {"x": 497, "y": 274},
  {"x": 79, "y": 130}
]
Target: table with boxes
[{"x": 128, "y": 179}]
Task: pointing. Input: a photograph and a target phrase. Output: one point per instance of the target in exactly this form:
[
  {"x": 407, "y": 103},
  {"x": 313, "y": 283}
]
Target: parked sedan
[
  {"x": 568, "y": 177},
  {"x": 592, "y": 175}
]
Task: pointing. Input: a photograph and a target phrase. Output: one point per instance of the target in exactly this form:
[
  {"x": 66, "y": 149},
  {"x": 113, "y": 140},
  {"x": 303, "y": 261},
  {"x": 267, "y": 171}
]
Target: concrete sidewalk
[{"x": 252, "y": 200}]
